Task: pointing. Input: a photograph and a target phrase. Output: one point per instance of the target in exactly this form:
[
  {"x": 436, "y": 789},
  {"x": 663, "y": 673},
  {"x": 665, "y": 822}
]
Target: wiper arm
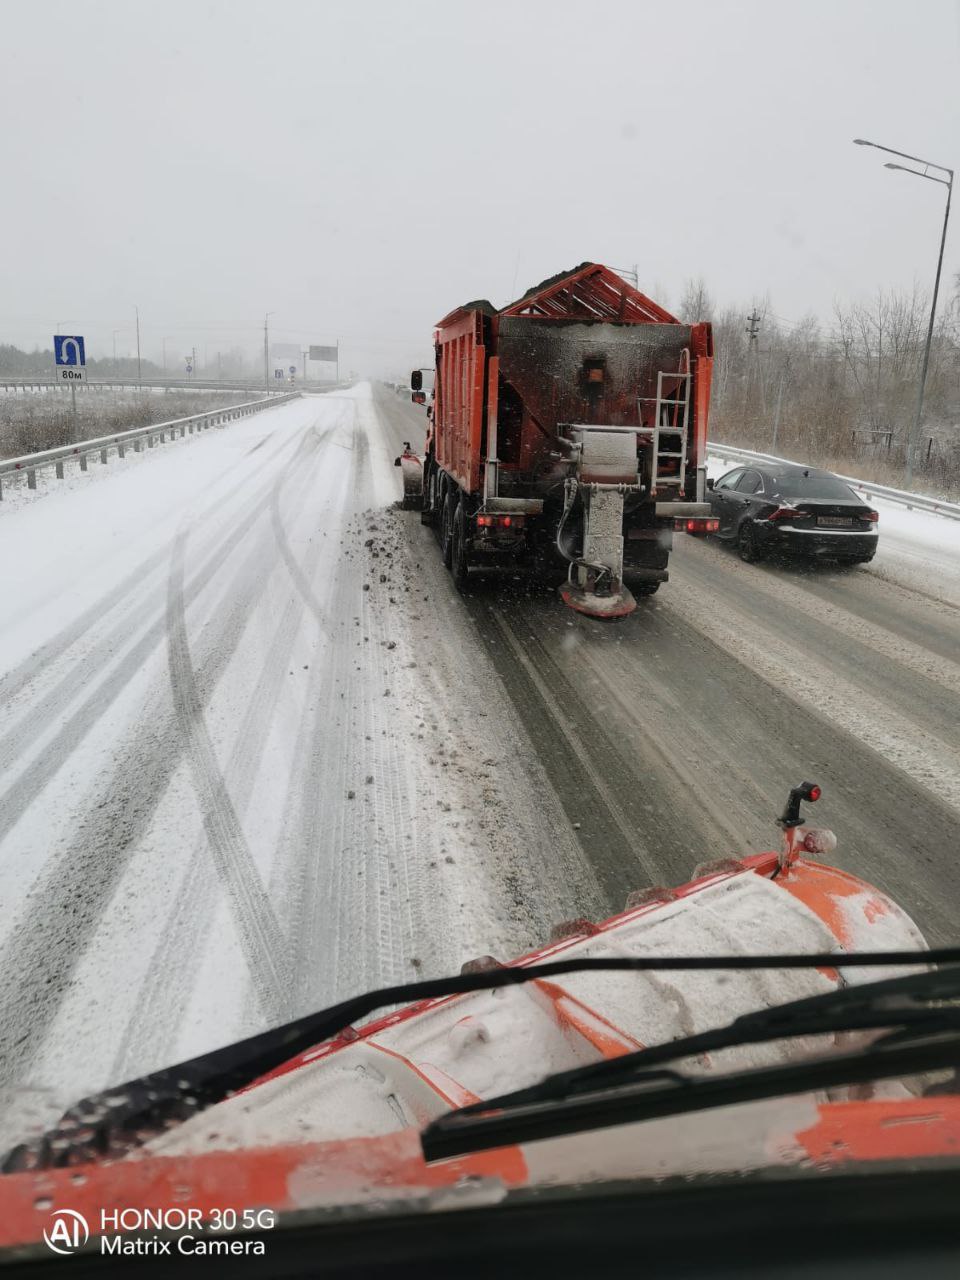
[
  {"x": 662, "y": 1092},
  {"x": 113, "y": 1122}
]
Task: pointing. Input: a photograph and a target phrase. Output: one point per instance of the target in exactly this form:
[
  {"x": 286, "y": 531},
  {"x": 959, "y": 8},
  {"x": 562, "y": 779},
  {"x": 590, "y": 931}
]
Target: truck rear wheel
[
  {"x": 446, "y": 527},
  {"x": 458, "y": 550},
  {"x": 428, "y": 512}
]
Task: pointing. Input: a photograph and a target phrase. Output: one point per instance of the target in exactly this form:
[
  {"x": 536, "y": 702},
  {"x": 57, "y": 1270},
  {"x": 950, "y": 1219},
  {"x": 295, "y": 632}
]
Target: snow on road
[
  {"x": 235, "y": 783},
  {"x": 256, "y": 754}
]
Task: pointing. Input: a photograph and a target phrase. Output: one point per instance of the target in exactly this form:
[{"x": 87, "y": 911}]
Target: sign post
[{"x": 70, "y": 360}]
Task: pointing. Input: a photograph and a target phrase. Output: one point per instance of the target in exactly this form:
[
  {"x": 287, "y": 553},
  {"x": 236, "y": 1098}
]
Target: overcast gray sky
[{"x": 359, "y": 168}]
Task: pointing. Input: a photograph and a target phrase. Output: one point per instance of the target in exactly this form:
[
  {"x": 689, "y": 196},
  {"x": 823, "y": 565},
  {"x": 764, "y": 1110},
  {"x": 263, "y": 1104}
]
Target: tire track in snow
[
  {"x": 812, "y": 612},
  {"x": 601, "y": 768},
  {"x": 932, "y": 764},
  {"x": 22, "y": 793},
  {"x": 261, "y": 940},
  {"x": 152, "y": 1028},
  {"x": 14, "y": 682},
  {"x": 59, "y": 919},
  {"x": 310, "y": 848}
]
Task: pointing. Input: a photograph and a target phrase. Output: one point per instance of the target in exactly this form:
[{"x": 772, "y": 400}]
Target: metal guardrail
[
  {"x": 903, "y": 497},
  {"x": 159, "y": 384},
  {"x": 30, "y": 463}
]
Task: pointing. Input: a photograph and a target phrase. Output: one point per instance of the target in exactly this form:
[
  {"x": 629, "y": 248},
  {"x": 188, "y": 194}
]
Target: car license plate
[{"x": 835, "y": 522}]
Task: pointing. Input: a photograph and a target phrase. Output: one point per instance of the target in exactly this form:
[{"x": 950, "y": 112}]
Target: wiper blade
[
  {"x": 115, "y": 1121},
  {"x": 917, "y": 1004},
  {"x": 916, "y": 1000},
  {"x": 660, "y": 1092}
]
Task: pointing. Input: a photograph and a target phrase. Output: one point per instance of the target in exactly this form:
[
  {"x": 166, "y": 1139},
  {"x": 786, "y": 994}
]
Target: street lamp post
[
  {"x": 944, "y": 182},
  {"x": 266, "y": 351}
]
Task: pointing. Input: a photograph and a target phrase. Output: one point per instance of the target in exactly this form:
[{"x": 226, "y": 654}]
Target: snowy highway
[{"x": 257, "y": 754}]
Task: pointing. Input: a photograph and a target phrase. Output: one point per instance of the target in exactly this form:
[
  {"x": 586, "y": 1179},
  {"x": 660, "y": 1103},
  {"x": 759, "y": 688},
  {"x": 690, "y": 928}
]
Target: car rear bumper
[{"x": 852, "y": 543}]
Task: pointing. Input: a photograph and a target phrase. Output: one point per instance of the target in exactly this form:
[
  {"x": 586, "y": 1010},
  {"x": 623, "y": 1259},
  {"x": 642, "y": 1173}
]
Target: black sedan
[{"x": 783, "y": 507}]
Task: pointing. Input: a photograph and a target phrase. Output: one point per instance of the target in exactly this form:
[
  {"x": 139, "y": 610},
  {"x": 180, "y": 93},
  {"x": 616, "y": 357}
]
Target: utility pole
[
  {"x": 304, "y": 354},
  {"x": 776, "y": 413},
  {"x": 266, "y": 352},
  {"x": 753, "y": 330},
  {"x": 139, "y": 371},
  {"x": 219, "y": 366}
]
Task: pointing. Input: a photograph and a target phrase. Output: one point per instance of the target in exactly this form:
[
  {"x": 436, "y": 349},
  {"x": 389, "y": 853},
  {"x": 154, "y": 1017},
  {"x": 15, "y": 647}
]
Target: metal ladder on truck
[{"x": 671, "y": 425}]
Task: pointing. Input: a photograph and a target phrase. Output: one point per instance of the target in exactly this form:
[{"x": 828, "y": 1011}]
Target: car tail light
[
  {"x": 871, "y": 516},
  {"x": 788, "y": 513}
]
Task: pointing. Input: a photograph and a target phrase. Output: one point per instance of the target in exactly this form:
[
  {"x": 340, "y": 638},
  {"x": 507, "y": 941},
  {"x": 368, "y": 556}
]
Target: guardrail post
[
  {"x": 32, "y": 478},
  {"x": 121, "y": 450},
  {"x": 83, "y": 461},
  {"x": 58, "y": 468},
  {"x": 103, "y": 455},
  {"x": 163, "y": 437},
  {"x": 137, "y": 446},
  {"x": 150, "y": 442}
]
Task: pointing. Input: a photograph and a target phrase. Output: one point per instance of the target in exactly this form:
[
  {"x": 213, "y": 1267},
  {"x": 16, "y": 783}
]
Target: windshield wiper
[
  {"x": 920, "y": 1014},
  {"x": 110, "y": 1123}
]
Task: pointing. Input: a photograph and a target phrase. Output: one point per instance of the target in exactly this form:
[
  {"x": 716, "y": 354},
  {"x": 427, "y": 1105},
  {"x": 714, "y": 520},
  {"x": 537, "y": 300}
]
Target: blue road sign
[
  {"x": 278, "y": 373},
  {"x": 293, "y": 368},
  {"x": 68, "y": 351}
]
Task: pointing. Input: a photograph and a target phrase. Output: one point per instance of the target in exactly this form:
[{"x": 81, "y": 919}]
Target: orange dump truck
[{"x": 571, "y": 423}]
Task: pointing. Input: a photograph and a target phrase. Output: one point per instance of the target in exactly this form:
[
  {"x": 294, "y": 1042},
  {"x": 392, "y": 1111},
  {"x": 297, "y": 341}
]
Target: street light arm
[
  {"x": 944, "y": 182},
  {"x": 904, "y": 155}
]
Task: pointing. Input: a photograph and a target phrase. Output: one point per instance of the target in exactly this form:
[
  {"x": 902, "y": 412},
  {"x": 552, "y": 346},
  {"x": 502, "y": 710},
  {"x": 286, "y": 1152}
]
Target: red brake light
[
  {"x": 872, "y": 517},
  {"x": 484, "y": 521},
  {"x": 788, "y": 513},
  {"x": 814, "y": 793},
  {"x": 506, "y": 521}
]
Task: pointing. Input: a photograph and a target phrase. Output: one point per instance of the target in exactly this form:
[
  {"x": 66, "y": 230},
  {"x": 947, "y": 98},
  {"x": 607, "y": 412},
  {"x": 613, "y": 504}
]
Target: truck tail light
[
  {"x": 696, "y": 524},
  {"x": 487, "y": 521},
  {"x": 788, "y": 513}
]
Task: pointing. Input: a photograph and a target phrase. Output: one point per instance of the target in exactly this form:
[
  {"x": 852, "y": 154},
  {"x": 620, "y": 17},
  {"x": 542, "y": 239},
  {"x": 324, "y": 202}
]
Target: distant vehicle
[{"x": 795, "y": 510}]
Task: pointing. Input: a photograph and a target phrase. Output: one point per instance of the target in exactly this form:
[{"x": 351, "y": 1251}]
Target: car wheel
[
  {"x": 747, "y": 543},
  {"x": 446, "y": 528},
  {"x": 458, "y": 549}
]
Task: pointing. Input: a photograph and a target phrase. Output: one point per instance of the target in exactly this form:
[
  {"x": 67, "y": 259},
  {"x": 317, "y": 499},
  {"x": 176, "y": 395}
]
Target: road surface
[{"x": 257, "y": 754}]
